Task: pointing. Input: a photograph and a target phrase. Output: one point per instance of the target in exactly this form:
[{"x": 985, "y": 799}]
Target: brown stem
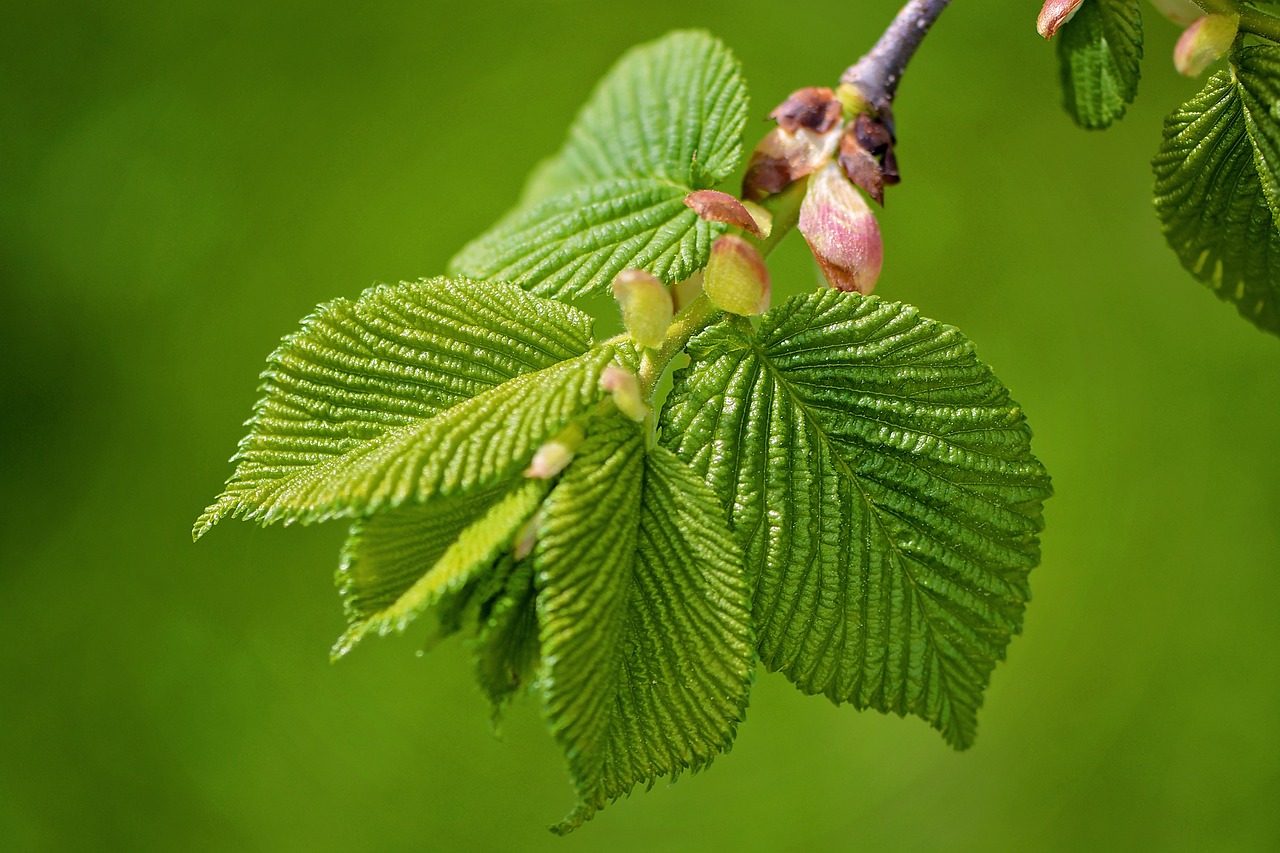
[{"x": 876, "y": 74}]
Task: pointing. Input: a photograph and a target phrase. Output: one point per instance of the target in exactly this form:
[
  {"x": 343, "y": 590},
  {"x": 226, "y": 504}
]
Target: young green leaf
[
  {"x": 506, "y": 647},
  {"x": 409, "y": 391},
  {"x": 665, "y": 121},
  {"x": 1212, "y": 204},
  {"x": 398, "y": 564},
  {"x": 645, "y": 626},
  {"x": 1258, "y": 76},
  {"x": 882, "y": 485},
  {"x": 1099, "y": 51},
  {"x": 577, "y": 242}
]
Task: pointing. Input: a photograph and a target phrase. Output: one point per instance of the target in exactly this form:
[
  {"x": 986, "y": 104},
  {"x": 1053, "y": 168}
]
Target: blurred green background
[{"x": 181, "y": 182}]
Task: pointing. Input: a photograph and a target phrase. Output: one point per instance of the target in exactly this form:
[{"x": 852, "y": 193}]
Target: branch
[{"x": 876, "y": 74}]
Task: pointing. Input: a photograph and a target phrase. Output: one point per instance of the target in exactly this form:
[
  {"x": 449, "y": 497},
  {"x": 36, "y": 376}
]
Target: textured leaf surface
[
  {"x": 644, "y": 619},
  {"x": 506, "y": 648},
  {"x": 397, "y": 564},
  {"x": 577, "y": 242},
  {"x": 674, "y": 108},
  {"x": 409, "y": 391},
  {"x": 1099, "y": 55},
  {"x": 1257, "y": 71},
  {"x": 882, "y": 484},
  {"x": 1213, "y": 206},
  {"x": 665, "y": 121}
]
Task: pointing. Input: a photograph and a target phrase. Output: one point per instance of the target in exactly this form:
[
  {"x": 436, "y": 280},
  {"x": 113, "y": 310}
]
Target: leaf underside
[
  {"x": 411, "y": 391},
  {"x": 666, "y": 120},
  {"x": 881, "y": 483},
  {"x": 397, "y": 564},
  {"x": 644, "y": 619},
  {"x": 1099, "y": 55},
  {"x": 1214, "y": 208}
]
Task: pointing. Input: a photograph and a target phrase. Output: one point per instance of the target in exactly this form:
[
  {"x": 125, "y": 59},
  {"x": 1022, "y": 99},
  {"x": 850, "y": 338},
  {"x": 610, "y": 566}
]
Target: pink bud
[
  {"x": 646, "y": 306},
  {"x": 1184, "y": 13},
  {"x": 1204, "y": 43},
  {"x": 1054, "y": 14},
  {"x": 554, "y": 455},
  {"x": 736, "y": 279},
  {"x": 625, "y": 388},
  {"x": 841, "y": 231}
]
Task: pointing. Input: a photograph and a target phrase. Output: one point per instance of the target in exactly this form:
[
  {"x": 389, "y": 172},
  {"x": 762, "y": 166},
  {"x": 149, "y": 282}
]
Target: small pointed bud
[
  {"x": 1184, "y": 13},
  {"x": 816, "y": 108},
  {"x": 1204, "y": 43},
  {"x": 1054, "y": 14},
  {"x": 555, "y": 454},
  {"x": 784, "y": 156},
  {"x": 762, "y": 218},
  {"x": 841, "y": 231},
  {"x": 736, "y": 279},
  {"x": 527, "y": 537},
  {"x": 646, "y": 306},
  {"x": 715, "y": 206},
  {"x": 625, "y": 388}
]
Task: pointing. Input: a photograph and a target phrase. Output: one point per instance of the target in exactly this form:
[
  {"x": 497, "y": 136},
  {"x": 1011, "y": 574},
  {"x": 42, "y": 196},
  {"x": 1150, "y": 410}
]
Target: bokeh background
[{"x": 180, "y": 182}]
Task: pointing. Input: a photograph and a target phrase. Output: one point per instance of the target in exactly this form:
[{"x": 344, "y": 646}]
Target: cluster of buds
[
  {"x": 842, "y": 147},
  {"x": 1205, "y": 39}
]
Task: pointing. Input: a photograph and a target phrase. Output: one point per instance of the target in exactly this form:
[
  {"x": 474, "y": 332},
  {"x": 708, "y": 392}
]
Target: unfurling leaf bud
[
  {"x": 1054, "y": 14},
  {"x": 625, "y": 388},
  {"x": 555, "y": 454},
  {"x": 646, "y": 306},
  {"x": 736, "y": 279},
  {"x": 1204, "y": 43},
  {"x": 841, "y": 231},
  {"x": 1184, "y": 13},
  {"x": 784, "y": 156}
]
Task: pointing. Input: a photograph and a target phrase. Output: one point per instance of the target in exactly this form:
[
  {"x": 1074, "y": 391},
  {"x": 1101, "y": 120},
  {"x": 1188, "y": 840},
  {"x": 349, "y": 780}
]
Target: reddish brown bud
[
  {"x": 736, "y": 279},
  {"x": 862, "y": 168},
  {"x": 841, "y": 231},
  {"x": 715, "y": 206},
  {"x": 816, "y": 108},
  {"x": 1054, "y": 14},
  {"x": 784, "y": 156}
]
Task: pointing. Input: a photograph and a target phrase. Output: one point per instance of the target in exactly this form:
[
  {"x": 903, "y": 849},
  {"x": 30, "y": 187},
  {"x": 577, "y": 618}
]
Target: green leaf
[
  {"x": 665, "y": 121},
  {"x": 882, "y": 485},
  {"x": 397, "y": 564},
  {"x": 1257, "y": 71},
  {"x": 645, "y": 628},
  {"x": 1213, "y": 206},
  {"x": 674, "y": 108},
  {"x": 506, "y": 649},
  {"x": 411, "y": 391},
  {"x": 1099, "y": 51},
  {"x": 576, "y": 243}
]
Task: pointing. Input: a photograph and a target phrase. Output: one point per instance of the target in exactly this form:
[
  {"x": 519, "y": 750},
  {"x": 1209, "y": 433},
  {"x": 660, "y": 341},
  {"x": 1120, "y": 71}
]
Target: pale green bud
[
  {"x": 646, "y": 306},
  {"x": 736, "y": 279},
  {"x": 1204, "y": 43},
  {"x": 625, "y": 388}
]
